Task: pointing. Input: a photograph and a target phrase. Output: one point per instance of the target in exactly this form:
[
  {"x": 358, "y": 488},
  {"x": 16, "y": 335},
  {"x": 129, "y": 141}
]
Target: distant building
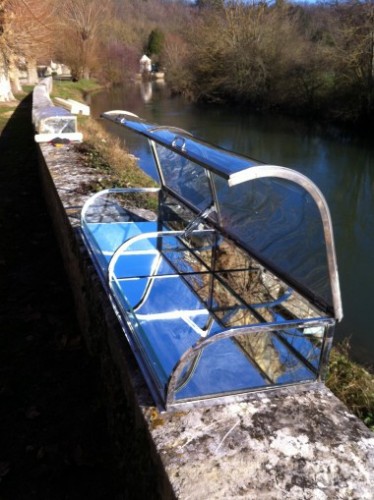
[
  {"x": 145, "y": 65},
  {"x": 54, "y": 69}
]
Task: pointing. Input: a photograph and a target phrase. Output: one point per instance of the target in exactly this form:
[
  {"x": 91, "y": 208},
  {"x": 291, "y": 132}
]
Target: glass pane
[
  {"x": 279, "y": 221},
  {"x": 185, "y": 178},
  {"x": 166, "y": 316},
  {"x": 216, "y": 159},
  {"x": 123, "y": 207},
  {"x": 174, "y": 291},
  {"x": 58, "y": 125},
  {"x": 250, "y": 361}
]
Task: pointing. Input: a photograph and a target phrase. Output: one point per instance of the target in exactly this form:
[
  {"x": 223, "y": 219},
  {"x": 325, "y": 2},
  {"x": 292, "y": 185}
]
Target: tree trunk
[
  {"x": 32, "y": 72},
  {"x": 5, "y": 89},
  {"x": 14, "y": 79},
  {"x": 86, "y": 73}
]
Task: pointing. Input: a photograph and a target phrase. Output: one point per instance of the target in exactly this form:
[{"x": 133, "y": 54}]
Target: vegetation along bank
[{"x": 311, "y": 59}]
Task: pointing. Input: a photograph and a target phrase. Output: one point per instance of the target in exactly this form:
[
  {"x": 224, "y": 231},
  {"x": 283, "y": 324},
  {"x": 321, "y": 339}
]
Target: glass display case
[
  {"x": 224, "y": 277},
  {"x": 55, "y": 120}
]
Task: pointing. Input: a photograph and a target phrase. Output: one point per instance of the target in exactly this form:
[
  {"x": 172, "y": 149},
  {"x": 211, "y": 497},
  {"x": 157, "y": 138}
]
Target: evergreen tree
[{"x": 155, "y": 42}]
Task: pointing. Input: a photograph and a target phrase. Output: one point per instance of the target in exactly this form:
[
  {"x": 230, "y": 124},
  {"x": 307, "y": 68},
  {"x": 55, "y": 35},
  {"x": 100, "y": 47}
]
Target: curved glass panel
[
  {"x": 280, "y": 221},
  {"x": 58, "y": 125},
  {"x": 174, "y": 299},
  {"x": 218, "y": 160},
  {"x": 251, "y": 360},
  {"x": 185, "y": 178},
  {"x": 112, "y": 216}
]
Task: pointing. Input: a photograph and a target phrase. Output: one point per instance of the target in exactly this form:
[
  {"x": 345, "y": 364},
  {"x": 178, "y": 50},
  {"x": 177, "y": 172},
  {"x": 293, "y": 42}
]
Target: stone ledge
[{"x": 295, "y": 444}]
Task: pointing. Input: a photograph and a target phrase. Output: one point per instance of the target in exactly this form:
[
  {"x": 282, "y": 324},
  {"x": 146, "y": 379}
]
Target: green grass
[
  {"x": 27, "y": 88},
  {"x": 352, "y": 383},
  {"x": 74, "y": 90},
  {"x": 107, "y": 151},
  {"x": 5, "y": 113}
]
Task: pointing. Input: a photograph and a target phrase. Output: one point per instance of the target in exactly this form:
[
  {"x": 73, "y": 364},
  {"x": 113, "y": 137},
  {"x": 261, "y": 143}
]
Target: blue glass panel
[
  {"x": 176, "y": 290},
  {"x": 243, "y": 363},
  {"x": 109, "y": 236},
  {"x": 169, "y": 319},
  {"x": 279, "y": 221},
  {"x": 222, "y": 368}
]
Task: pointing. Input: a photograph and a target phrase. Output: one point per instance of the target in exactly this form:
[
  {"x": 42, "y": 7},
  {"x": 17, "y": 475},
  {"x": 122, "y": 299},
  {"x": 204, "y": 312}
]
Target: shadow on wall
[{"x": 55, "y": 444}]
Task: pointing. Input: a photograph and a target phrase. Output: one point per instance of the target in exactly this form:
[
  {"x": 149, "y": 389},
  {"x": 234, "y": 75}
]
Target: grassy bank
[
  {"x": 107, "y": 152},
  {"x": 349, "y": 381},
  {"x": 352, "y": 383},
  {"x": 103, "y": 151},
  {"x": 74, "y": 90},
  {"x": 6, "y": 111}
]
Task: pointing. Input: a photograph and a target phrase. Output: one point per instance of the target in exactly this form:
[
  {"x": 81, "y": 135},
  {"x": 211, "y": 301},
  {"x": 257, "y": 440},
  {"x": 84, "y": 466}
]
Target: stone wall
[
  {"x": 293, "y": 444},
  {"x": 122, "y": 383}
]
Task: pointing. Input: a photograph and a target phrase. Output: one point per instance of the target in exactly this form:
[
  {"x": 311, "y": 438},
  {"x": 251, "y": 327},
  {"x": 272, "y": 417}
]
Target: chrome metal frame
[{"x": 105, "y": 192}]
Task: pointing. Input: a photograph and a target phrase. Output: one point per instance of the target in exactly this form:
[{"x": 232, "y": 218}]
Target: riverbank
[{"x": 350, "y": 382}]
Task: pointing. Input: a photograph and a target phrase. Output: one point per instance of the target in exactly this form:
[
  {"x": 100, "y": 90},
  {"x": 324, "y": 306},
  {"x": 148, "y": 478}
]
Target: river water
[{"x": 341, "y": 164}]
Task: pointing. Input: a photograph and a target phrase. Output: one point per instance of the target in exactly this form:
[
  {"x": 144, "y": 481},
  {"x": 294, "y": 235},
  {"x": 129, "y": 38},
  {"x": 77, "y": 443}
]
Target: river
[{"x": 341, "y": 164}]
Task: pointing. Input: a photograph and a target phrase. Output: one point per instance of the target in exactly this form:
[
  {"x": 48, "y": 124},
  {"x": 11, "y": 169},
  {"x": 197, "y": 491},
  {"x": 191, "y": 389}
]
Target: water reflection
[
  {"x": 341, "y": 165},
  {"x": 146, "y": 90}
]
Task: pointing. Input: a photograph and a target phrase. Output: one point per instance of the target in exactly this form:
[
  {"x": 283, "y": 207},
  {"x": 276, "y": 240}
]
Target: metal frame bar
[
  {"x": 104, "y": 192},
  {"x": 153, "y": 234}
]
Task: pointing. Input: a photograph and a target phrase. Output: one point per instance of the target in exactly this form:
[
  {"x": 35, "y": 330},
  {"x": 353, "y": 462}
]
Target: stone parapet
[{"x": 299, "y": 443}]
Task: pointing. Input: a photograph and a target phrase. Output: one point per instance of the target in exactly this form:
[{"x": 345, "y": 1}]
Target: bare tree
[
  {"x": 5, "y": 52},
  {"x": 32, "y": 26},
  {"x": 352, "y": 55},
  {"x": 176, "y": 58},
  {"x": 82, "y": 22},
  {"x": 25, "y": 35}
]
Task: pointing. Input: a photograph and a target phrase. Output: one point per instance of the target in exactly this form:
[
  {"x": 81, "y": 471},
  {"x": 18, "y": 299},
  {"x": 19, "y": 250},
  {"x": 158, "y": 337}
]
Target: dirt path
[{"x": 53, "y": 441}]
